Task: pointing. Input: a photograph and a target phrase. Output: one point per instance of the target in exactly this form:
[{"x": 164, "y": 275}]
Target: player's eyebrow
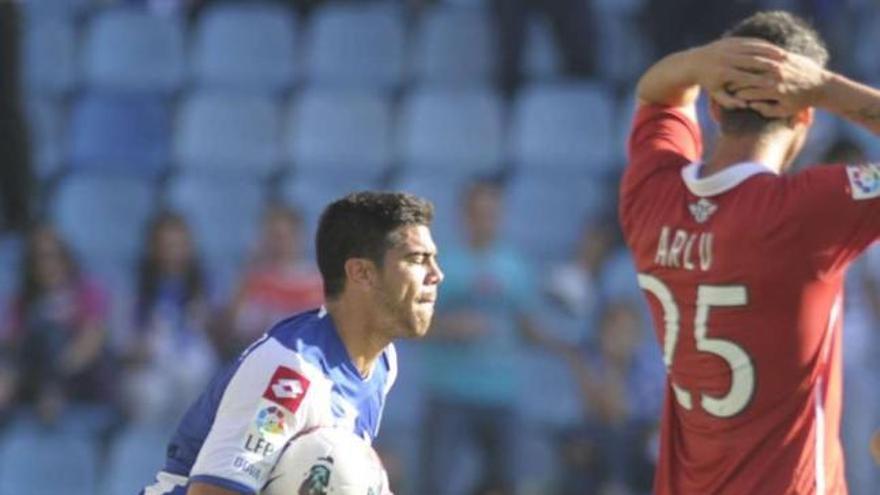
[{"x": 421, "y": 252}]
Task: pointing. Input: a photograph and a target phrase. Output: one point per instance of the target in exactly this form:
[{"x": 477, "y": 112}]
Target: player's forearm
[
  {"x": 197, "y": 488},
  {"x": 852, "y": 100},
  {"x": 671, "y": 81}
]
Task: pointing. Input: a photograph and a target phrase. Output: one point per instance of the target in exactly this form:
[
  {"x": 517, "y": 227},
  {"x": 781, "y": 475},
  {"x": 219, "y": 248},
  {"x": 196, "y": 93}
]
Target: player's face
[{"x": 409, "y": 280}]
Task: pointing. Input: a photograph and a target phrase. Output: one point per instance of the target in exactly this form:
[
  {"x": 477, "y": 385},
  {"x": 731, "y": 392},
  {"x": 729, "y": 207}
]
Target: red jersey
[{"x": 743, "y": 271}]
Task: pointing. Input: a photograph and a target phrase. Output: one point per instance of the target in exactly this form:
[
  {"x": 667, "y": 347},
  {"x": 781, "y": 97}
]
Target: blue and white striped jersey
[{"x": 298, "y": 376}]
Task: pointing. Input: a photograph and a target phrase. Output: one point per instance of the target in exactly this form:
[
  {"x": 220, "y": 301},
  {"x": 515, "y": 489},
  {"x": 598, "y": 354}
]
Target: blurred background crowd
[{"x": 165, "y": 161}]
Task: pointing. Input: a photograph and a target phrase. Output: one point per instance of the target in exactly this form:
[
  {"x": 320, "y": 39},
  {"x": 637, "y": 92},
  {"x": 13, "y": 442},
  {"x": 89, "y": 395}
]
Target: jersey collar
[{"x": 722, "y": 181}]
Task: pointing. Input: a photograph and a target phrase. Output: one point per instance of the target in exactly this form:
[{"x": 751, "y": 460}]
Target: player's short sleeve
[
  {"x": 661, "y": 136},
  {"x": 273, "y": 394},
  {"x": 838, "y": 211}
]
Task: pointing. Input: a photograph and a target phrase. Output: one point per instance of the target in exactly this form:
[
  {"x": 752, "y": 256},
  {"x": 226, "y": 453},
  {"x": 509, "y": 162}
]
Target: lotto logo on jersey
[
  {"x": 864, "y": 180},
  {"x": 287, "y": 388}
]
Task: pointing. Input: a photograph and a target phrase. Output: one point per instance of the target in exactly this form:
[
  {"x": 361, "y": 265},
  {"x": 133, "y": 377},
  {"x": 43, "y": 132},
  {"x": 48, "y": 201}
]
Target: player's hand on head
[
  {"x": 730, "y": 65},
  {"x": 799, "y": 85}
]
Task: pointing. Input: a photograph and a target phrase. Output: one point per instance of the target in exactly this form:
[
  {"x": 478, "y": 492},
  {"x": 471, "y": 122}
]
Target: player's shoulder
[{"x": 298, "y": 342}]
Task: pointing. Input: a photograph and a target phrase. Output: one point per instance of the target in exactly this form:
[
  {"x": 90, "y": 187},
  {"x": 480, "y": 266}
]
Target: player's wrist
[{"x": 821, "y": 96}]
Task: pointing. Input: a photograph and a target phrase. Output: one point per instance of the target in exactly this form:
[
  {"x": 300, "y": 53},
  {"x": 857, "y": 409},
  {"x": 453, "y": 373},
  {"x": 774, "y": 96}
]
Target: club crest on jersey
[
  {"x": 287, "y": 388},
  {"x": 864, "y": 180},
  {"x": 702, "y": 210}
]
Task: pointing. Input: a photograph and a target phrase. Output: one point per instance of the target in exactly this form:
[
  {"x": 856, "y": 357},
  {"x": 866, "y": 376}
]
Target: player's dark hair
[
  {"x": 361, "y": 225},
  {"x": 786, "y": 31}
]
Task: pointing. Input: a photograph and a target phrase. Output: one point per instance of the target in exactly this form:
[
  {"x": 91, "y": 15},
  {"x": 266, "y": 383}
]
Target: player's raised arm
[
  {"x": 804, "y": 83},
  {"x": 721, "y": 68}
]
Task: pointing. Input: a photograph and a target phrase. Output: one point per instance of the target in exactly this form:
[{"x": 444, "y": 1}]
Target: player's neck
[
  {"x": 358, "y": 334},
  {"x": 731, "y": 150}
]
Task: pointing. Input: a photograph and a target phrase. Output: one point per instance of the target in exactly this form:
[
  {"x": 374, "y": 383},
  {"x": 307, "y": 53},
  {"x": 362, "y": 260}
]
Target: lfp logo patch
[
  {"x": 271, "y": 421},
  {"x": 864, "y": 180}
]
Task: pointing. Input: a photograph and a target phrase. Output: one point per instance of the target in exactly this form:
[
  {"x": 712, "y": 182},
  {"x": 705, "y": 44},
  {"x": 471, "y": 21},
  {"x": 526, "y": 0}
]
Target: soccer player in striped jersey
[{"x": 330, "y": 366}]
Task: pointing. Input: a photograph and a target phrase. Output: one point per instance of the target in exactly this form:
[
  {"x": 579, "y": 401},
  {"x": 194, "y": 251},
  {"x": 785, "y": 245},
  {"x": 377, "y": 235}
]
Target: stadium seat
[
  {"x": 36, "y": 460},
  {"x": 622, "y": 50},
  {"x": 566, "y": 127},
  {"x": 133, "y": 50},
  {"x": 103, "y": 217},
  {"x": 356, "y": 46},
  {"x": 224, "y": 214},
  {"x": 46, "y": 126},
  {"x": 246, "y": 46},
  {"x": 228, "y": 134},
  {"x": 542, "y": 58},
  {"x": 444, "y": 191},
  {"x": 127, "y": 134},
  {"x": 136, "y": 455},
  {"x": 339, "y": 132},
  {"x": 55, "y": 9},
  {"x": 543, "y": 212},
  {"x": 452, "y": 131},
  {"x": 49, "y": 56},
  {"x": 454, "y": 46},
  {"x": 311, "y": 192}
]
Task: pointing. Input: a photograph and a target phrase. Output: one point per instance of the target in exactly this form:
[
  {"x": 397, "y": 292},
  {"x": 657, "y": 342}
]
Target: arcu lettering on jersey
[{"x": 678, "y": 249}]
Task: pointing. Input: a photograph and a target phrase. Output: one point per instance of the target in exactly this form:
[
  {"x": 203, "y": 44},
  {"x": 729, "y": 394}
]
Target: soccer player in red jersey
[{"x": 742, "y": 264}]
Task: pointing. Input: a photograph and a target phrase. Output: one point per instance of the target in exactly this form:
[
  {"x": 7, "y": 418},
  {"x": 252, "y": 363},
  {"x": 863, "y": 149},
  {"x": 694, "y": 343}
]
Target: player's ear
[
  {"x": 804, "y": 117},
  {"x": 360, "y": 273}
]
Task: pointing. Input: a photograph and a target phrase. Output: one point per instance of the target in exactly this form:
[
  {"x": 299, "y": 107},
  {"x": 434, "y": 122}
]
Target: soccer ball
[{"x": 327, "y": 461}]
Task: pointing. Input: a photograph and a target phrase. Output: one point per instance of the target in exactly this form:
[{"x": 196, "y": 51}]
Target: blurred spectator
[
  {"x": 279, "y": 282},
  {"x": 170, "y": 326},
  {"x": 471, "y": 359},
  {"x": 58, "y": 331},
  {"x": 622, "y": 388},
  {"x": 572, "y": 22},
  {"x": 15, "y": 174},
  {"x": 573, "y": 286}
]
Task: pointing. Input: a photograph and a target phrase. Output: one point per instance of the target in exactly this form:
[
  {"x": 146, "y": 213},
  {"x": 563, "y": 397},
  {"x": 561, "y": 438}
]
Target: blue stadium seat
[
  {"x": 454, "y": 46},
  {"x": 133, "y": 50},
  {"x": 49, "y": 56},
  {"x": 543, "y": 212},
  {"x": 136, "y": 455},
  {"x": 46, "y": 127},
  {"x": 118, "y": 133},
  {"x": 339, "y": 132},
  {"x": 37, "y": 460},
  {"x": 311, "y": 192},
  {"x": 103, "y": 217},
  {"x": 356, "y": 46},
  {"x": 228, "y": 134},
  {"x": 224, "y": 214},
  {"x": 542, "y": 58},
  {"x": 246, "y": 45},
  {"x": 452, "y": 131},
  {"x": 560, "y": 128},
  {"x": 444, "y": 191},
  {"x": 55, "y": 9},
  {"x": 622, "y": 48}
]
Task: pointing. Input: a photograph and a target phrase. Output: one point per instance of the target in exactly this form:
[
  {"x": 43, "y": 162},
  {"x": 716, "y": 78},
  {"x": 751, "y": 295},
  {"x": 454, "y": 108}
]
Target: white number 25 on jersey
[{"x": 742, "y": 369}]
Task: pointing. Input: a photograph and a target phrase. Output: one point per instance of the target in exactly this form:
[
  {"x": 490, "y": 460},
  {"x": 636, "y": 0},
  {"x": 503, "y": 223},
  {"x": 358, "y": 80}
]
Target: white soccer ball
[{"x": 327, "y": 461}]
